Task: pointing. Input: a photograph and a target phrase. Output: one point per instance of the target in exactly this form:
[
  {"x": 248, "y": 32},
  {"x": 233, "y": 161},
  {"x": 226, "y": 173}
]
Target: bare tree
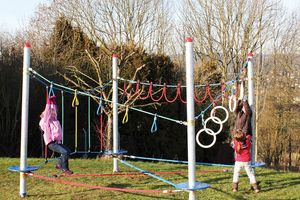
[
  {"x": 225, "y": 31},
  {"x": 278, "y": 122},
  {"x": 142, "y": 23},
  {"x": 129, "y": 28}
]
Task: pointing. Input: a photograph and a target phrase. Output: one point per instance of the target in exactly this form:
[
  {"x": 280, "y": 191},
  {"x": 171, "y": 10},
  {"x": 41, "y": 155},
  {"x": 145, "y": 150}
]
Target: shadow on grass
[
  {"x": 280, "y": 184},
  {"x": 229, "y": 194},
  {"x": 110, "y": 194}
]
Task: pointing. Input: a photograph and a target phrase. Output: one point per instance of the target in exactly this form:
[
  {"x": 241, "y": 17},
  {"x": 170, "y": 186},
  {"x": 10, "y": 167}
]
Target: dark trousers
[{"x": 64, "y": 152}]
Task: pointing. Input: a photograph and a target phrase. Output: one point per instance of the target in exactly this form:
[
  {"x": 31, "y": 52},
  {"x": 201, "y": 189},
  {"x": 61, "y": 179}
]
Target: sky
[{"x": 16, "y": 13}]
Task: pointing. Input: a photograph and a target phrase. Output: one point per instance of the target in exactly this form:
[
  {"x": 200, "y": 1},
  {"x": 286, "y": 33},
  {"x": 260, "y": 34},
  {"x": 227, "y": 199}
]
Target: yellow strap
[
  {"x": 125, "y": 118},
  {"x": 75, "y": 101}
]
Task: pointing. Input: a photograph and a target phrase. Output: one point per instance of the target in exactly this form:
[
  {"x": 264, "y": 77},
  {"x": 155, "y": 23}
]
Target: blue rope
[
  {"x": 99, "y": 110},
  {"x": 149, "y": 173},
  {"x": 210, "y": 105},
  {"x": 51, "y": 92},
  {"x": 160, "y": 116},
  {"x": 176, "y": 161},
  {"x": 154, "y": 125}
]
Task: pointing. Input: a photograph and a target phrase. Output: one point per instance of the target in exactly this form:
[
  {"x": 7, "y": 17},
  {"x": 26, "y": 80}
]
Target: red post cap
[
  {"x": 115, "y": 56},
  {"x": 27, "y": 44},
  {"x": 189, "y": 39}
]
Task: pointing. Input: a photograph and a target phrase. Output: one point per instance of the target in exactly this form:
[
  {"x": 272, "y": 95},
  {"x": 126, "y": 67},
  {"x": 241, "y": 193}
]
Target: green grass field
[{"x": 275, "y": 184}]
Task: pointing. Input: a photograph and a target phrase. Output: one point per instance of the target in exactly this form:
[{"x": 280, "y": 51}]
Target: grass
[{"x": 275, "y": 184}]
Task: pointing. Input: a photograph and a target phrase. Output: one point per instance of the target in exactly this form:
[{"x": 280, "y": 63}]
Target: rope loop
[
  {"x": 75, "y": 101},
  {"x": 100, "y": 107},
  {"x": 51, "y": 92},
  {"x": 125, "y": 118},
  {"x": 202, "y": 118},
  {"x": 154, "y": 125}
]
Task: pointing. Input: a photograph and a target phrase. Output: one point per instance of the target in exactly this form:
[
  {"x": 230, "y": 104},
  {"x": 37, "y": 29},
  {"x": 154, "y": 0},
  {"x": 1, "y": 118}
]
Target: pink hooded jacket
[{"x": 49, "y": 123}]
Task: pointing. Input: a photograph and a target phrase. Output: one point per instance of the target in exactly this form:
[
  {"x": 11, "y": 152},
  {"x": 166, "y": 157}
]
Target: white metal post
[
  {"x": 251, "y": 104},
  {"x": 115, "y": 111},
  {"x": 190, "y": 116},
  {"x": 24, "y": 118}
]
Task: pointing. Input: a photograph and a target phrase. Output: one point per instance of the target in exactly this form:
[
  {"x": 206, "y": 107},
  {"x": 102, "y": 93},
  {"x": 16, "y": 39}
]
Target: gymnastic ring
[
  {"x": 218, "y": 122},
  {"x": 212, "y": 114},
  {"x": 232, "y": 98},
  {"x": 211, "y": 133}
]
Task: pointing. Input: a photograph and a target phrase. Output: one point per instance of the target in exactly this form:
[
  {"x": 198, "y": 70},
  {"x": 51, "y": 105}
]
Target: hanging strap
[
  {"x": 125, "y": 118},
  {"x": 75, "y": 104},
  {"x": 51, "y": 92},
  {"x": 89, "y": 123},
  {"x": 99, "y": 113},
  {"x": 154, "y": 125}
]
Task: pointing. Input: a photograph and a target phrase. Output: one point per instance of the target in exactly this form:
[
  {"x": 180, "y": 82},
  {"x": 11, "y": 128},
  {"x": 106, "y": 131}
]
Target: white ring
[
  {"x": 232, "y": 97},
  {"x": 212, "y": 113},
  {"x": 207, "y": 131},
  {"x": 218, "y": 122}
]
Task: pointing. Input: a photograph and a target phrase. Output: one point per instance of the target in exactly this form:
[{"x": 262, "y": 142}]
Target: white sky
[{"x": 15, "y": 13}]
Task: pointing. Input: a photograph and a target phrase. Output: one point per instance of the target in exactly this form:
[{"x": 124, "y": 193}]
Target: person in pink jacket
[
  {"x": 52, "y": 134},
  {"x": 242, "y": 148}
]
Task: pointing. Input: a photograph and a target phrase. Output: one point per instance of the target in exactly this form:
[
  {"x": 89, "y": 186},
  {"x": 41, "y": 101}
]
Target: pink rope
[
  {"x": 151, "y": 94},
  {"x": 101, "y": 131},
  {"x": 180, "y": 97},
  {"x": 203, "y": 99},
  {"x": 55, "y": 180},
  {"x": 177, "y": 93}
]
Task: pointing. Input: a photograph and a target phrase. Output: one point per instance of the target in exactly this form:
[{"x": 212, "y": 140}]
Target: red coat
[{"x": 243, "y": 150}]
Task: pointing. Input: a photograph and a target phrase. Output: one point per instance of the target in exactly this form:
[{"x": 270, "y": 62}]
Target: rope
[
  {"x": 162, "y": 85},
  {"x": 62, "y": 115},
  {"x": 175, "y": 161},
  {"x": 154, "y": 125},
  {"x": 178, "y": 93},
  {"x": 75, "y": 104},
  {"x": 125, "y": 118},
  {"x": 160, "y": 116},
  {"x": 51, "y": 92},
  {"x": 100, "y": 114},
  {"x": 143, "y": 174},
  {"x": 55, "y": 180},
  {"x": 148, "y": 173},
  {"x": 151, "y": 93},
  {"x": 205, "y": 95},
  {"x": 101, "y": 132},
  {"x": 89, "y": 123}
]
